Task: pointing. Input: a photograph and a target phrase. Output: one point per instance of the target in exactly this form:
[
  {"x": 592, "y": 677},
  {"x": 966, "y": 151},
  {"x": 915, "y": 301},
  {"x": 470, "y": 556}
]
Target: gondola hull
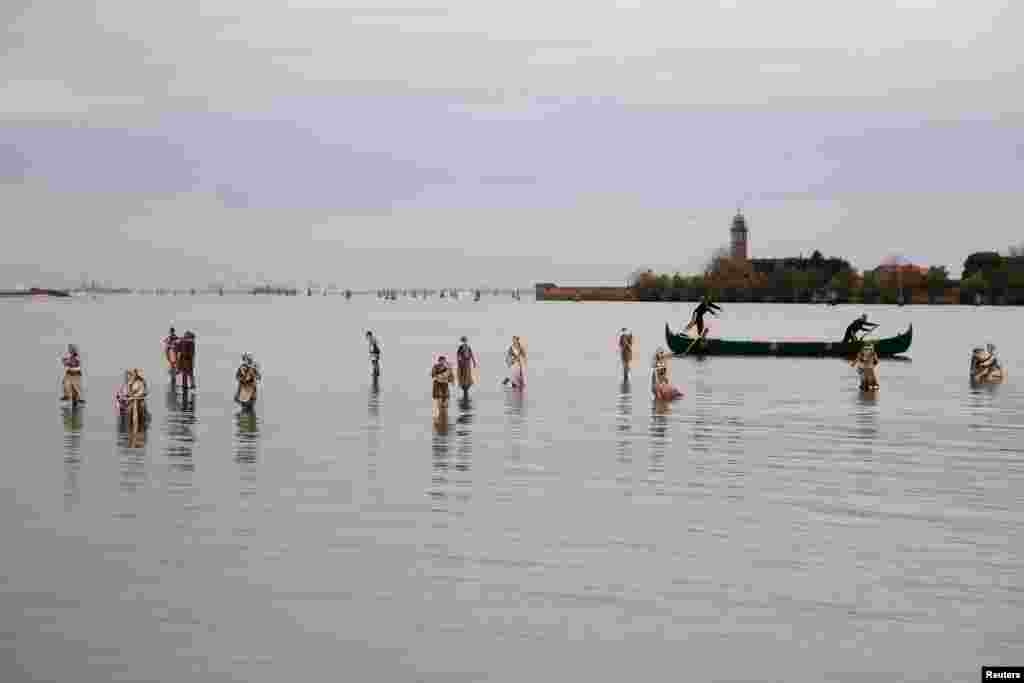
[{"x": 680, "y": 343}]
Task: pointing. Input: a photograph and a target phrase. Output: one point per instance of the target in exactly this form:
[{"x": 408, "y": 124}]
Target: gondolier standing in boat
[
  {"x": 697, "y": 319},
  {"x": 856, "y": 326}
]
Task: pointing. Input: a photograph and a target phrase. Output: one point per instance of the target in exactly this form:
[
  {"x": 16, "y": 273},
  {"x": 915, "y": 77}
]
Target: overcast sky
[{"x": 472, "y": 142}]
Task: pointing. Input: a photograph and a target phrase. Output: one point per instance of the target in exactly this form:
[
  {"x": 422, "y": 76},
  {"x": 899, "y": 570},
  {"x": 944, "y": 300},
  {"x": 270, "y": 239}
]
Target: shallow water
[{"x": 774, "y": 524}]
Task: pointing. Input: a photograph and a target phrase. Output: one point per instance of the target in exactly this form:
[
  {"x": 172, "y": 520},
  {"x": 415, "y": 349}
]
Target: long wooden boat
[
  {"x": 680, "y": 343},
  {"x": 35, "y": 291}
]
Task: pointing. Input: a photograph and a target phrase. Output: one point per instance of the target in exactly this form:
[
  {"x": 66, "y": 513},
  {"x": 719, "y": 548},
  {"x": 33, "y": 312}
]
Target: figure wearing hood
[{"x": 248, "y": 377}]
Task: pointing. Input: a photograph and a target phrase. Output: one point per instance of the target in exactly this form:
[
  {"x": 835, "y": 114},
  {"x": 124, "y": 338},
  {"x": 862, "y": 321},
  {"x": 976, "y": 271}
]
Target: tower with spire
[{"x": 739, "y": 246}]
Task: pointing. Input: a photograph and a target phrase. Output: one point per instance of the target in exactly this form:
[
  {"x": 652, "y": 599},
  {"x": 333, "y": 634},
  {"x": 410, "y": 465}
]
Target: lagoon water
[{"x": 773, "y": 525}]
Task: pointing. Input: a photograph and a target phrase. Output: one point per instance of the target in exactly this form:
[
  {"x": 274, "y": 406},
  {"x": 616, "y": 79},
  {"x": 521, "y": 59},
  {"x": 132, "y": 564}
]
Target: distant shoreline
[{"x": 950, "y": 297}]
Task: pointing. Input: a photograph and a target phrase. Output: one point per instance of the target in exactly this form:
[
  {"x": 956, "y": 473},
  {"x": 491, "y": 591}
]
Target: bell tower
[{"x": 739, "y": 246}]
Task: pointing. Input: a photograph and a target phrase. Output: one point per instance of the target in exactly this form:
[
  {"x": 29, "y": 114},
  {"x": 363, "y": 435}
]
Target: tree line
[{"x": 988, "y": 277}]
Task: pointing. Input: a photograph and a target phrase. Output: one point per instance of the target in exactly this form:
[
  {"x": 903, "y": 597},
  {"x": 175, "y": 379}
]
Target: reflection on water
[
  {"x": 247, "y": 436},
  {"x": 514, "y": 412},
  {"x": 373, "y": 429},
  {"x": 132, "y": 454},
  {"x": 178, "y": 427},
  {"x": 72, "y": 417},
  {"x": 464, "y": 435},
  {"x": 658, "y": 433},
  {"x": 441, "y": 458},
  {"x": 735, "y": 471},
  {"x": 624, "y": 423},
  {"x": 701, "y": 419},
  {"x": 865, "y": 436},
  {"x": 799, "y": 521},
  {"x": 247, "y": 443}
]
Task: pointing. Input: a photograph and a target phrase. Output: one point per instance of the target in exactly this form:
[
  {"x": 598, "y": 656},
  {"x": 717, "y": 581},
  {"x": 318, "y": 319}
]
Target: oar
[{"x": 702, "y": 336}]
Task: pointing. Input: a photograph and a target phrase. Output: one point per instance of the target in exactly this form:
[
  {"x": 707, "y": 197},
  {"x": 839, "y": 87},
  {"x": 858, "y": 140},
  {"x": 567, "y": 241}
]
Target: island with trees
[{"x": 988, "y": 278}]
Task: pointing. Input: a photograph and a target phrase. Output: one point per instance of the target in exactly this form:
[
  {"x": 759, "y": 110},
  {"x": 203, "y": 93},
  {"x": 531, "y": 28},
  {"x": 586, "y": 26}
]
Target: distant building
[
  {"x": 541, "y": 287},
  {"x": 739, "y": 243},
  {"x": 901, "y": 268}
]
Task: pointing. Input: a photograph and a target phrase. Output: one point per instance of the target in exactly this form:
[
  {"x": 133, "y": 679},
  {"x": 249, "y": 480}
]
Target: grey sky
[{"x": 500, "y": 143}]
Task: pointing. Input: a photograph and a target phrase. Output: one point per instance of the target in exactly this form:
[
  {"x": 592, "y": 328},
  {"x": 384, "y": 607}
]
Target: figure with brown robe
[
  {"x": 985, "y": 366},
  {"x": 626, "y": 351},
  {"x": 515, "y": 359},
  {"x": 136, "y": 396},
  {"x": 72, "y": 384},
  {"x": 248, "y": 376},
  {"x": 171, "y": 353},
  {"x": 441, "y": 376},
  {"x": 186, "y": 360},
  {"x": 466, "y": 362},
  {"x": 866, "y": 363}
]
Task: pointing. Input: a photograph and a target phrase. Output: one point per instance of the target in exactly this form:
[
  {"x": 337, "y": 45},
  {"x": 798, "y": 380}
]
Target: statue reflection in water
[
  {"x": 624, "y": 425},
  {"x": 865, "y": 435},
  {"x": 373, "y": 428},
  {"x": 247, "y": 439},
  {"x": 247, "y": 436},
  {"x": 441, "y": 459},
  {"x": 178, "y": 426},
  {"x": 658, "y": 433},
  {"x": 514, "y": 410},
  {"x": 72, "y": 418},
  {"x": 464, "y": 435}
]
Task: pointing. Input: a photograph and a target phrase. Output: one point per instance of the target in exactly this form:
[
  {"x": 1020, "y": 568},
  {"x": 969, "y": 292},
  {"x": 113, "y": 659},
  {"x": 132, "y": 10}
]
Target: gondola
[{"x": 680, "y": 343}]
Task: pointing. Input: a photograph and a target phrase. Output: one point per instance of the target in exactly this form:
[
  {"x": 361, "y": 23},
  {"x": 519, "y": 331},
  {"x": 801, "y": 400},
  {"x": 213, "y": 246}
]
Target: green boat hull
[{"x": 680, "y": 343}]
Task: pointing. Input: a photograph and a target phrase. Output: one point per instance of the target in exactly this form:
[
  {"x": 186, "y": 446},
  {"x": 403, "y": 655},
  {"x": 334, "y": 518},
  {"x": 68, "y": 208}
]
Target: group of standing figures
[
  {"x": 661, "y": 387},
  {"x": 466, "y": 372},
  {"x": 130, "y": 397},
  {"x": 180, "y": 353}
]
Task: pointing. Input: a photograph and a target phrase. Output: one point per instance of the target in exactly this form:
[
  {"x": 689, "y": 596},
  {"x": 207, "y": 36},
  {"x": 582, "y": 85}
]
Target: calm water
[{"x": 772, "y": 525}]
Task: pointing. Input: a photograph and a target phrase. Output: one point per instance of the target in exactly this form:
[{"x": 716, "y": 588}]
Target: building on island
[{"x": 739, "y": 238}]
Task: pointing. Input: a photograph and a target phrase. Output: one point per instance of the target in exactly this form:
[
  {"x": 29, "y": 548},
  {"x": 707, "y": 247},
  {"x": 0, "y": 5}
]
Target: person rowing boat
[
  {"x": 856, "y": 326},
  {"x": 697, "y": 319}
]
